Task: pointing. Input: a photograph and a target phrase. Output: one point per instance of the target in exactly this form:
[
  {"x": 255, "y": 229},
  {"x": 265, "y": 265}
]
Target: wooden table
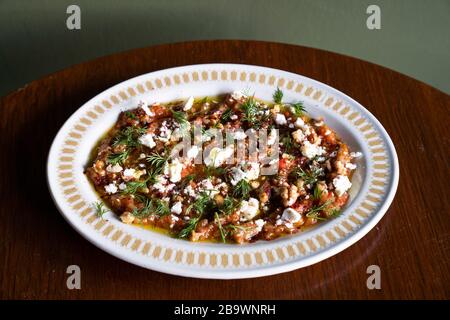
[{"x": 411, "y": 244}]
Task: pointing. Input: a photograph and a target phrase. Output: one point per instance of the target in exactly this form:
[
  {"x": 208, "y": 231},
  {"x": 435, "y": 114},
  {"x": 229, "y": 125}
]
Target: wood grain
[{"x": 411, "y": 244}]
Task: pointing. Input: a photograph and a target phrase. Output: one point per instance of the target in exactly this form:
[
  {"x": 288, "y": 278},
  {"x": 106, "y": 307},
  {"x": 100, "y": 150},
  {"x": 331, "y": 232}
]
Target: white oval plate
[{"x": 374, "y": 181}]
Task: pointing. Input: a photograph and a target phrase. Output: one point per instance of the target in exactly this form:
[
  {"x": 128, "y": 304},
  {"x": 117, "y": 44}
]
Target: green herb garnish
[
  {"x": 242, "y": 190},
  {"x": 278, "y": 95},
  {"x": 133, "y": 187},
  {"x": 100, "y": 209},
  {"x": 129, "y": 136},
  {"x": 309, "y": 177},
  {"x": 315, "y": 211},
  {"x": 118, "y": 158},
  {"x": 226, "y": 116},
  {"x": 157, "y": 162},
  {"x": 190, "y": 226},
  {"x": 219, "y": 225}
]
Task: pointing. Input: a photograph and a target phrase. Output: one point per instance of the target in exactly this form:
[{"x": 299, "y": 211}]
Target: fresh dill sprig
[
  {"x": 190, "y": 226},
  {"x": 200, "y": 204},
  {"x": 151, "y": 206},
  {"x": 250, "y": 109},
  {"x": 288, "y": 144},
  {"x": 317, "y": 192},
  {"x": 221, "y": 230},
  {"x": 181, "y": 118},
  {"x": 226, "y": 116},
  {"x": 228, "y": 206},
  {"x": 129, "y": 136},
  {"x": 278, "y": 96},
  {"x": 100, "y": 209},
  {"x": 157, "y": 162},
  {"x": 133, "y": 187},
  {"x": 298, "y": 108},
  {"x": 130, "y": 115},
  {"x": 309, "y": 177},
  {"x": 118, "y": 158},
  {"x": 334, "y": 213},
  {"x": 242, "y": 190},
  {"x": 315, "y": 211}
]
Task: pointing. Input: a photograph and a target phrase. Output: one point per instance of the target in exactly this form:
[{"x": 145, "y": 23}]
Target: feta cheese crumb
[
  {"x": 129, "y": 173},
  {"x": 290, "y": 215},
  {"x": 147, "y": 140},
  {"x": 310, "y": 150},
  {"x": 356, "y": 155},
  {"x": 176, "y": 208},
  {"x": 350, "y": 166},
  {"x": 122, "y": 186},
  {"x": 233, "y": 117},
  {"x": 298, "y": 136},
  {"x": 342, "y": 184},
  {"x": 111, "y": 188},
  {"x": 280, "y": 119},
  {"x": 147, "y": 110},
  {"x": 249, "y": 209},
  {"x": 248, "y": 171},
  {"x": 217, "y": 156},
  {"x": 193, "y": 152},
  {"x": 259, "y": 224},
  {"x": 114, "y": 168},
  {"x": 175, "y": 168},
  {"x": 188, "y": 104}
]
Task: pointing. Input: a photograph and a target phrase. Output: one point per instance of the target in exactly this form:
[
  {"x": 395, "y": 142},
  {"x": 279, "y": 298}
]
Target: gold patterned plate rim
[{"x": 376, "y": 177}]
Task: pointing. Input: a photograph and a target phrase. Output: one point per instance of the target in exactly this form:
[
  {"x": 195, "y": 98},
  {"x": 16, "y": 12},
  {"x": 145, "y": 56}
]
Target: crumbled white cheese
[
  {"x": 280, "y": 119},
  {"x": 350, "y": 166},
  {"x": 248, "y": 171},
  {"x": 298, "y": 136},
  {"x": 175, "y": 168},
  {"x": 193, "y": 152},
  {"x": 122, "y": 186},
  {"x": 176, "y": 208},
  {"x": 188, "y": 104},
  {"x": 342, "y": 184},
  {"x": 259, "y": 224},
  {"x": 190, "y": 191},
  {"x": 217, "y": 156},
  {"x": 147, "y": 110},
  {"x": 299, "y": 123},
  {"x": 129, "y": 173},
  {"x": 111, "y": 188},
  {"x": 310, "y": 150},
  {"x": 114, "y": 168},
  {"x": 356, "y": 155},
  {"x": 290, "y": 215},
  {"x": 164, "y": 132},
  {"x": 142, "y": 156},
  {"x": 233, "y": 117},
  {"x": 147, "y": 140},
  {"x": 249, "y": 209}
]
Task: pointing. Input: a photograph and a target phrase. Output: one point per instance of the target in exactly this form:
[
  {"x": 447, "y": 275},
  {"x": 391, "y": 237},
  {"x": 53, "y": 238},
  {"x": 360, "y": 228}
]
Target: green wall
[{"x": 414, "y": 38}]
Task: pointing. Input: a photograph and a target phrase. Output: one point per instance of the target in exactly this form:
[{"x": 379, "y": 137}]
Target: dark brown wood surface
[{"x": 411, "y": 244}]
